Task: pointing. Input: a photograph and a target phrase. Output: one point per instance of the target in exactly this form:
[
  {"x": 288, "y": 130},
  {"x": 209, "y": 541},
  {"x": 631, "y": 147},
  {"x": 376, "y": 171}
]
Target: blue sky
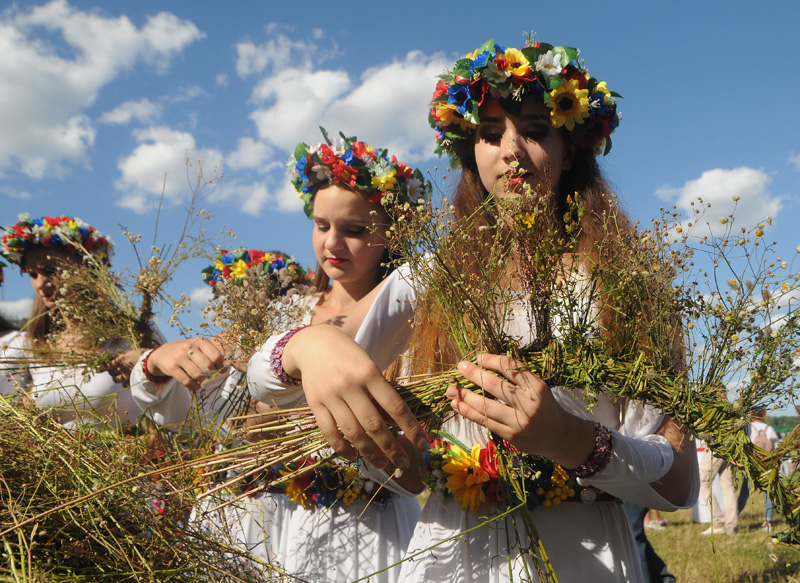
[{"x": 102, "y": 102}]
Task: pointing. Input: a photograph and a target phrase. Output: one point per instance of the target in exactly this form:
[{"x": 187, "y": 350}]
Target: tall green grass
[{"x": 749, "y": 556}]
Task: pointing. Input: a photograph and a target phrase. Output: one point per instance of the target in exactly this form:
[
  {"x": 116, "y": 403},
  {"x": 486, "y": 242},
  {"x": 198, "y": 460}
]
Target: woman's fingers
[
  {"x": 396, "y": 408},
  {"x": 357, "y": 424},
  {"x": 519, "y": 397},
  {"x": 187, "y": 361},
  {"x": 510, "y": 369},
  {"x": 341, "y": 378},
  {"x": 206, "y": 354},
  {"x": 327, "y": 425},
  {"x": 481, "y": 410}
]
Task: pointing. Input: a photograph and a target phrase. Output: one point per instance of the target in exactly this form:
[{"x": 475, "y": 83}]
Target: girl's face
[
  {"x": 529, "y": 139},
  {"x": 43, "y": 265},
  {"x": 347, "y": 239}
]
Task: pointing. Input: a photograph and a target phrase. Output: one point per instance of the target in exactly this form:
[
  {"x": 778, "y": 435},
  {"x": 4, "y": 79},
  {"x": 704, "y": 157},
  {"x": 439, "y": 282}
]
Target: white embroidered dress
[
  {"x": 585, "y": 542},
  {"x": 71, "y": 395},
  {"x": 342, "y": 543}
]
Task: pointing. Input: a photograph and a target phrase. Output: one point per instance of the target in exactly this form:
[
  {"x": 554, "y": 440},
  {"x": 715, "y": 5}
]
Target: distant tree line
[{"x": 783, "y": 424}]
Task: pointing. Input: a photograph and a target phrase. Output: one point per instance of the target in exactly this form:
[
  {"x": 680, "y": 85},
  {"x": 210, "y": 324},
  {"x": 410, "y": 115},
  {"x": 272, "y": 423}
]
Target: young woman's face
[
  {"x": 43, "y": 265},
  {"x": 347, "y": 239},
  {"x": 529, "y": 139}
]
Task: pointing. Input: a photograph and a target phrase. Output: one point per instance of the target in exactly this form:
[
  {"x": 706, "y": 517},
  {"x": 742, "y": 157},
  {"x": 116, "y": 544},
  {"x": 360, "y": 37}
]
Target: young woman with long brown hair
[{"x": 514, "y": 119}]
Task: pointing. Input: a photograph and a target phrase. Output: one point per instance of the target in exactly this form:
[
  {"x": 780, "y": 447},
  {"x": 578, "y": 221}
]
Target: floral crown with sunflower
[
  {"x": 348, "y": 162},
  {"x": 71, "y": 233},
  {"x": 553, "y": 75},
  {"x": 281, "y": 270}
]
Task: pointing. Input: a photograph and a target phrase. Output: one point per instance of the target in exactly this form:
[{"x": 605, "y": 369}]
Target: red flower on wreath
[
  {"x": 571, "y": 73},
  {"x": 441, "y": 89},
  {"x": 326, "y": 155},
  {"x": 359, "y": 149},
  {"x": 501, "y": 62},
  {"x": 257, "y": 256},
  {"x": 344, "y": 174},
  {"x": 403, "y": 171},
  {"x": 488, "y": 460}
]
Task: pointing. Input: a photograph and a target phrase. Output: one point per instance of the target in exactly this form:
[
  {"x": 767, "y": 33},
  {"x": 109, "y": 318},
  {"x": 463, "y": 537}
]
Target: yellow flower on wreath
[
  {"x": 466, "y": 477},
  {"x": 518, "y": 65},
  {"x": 238, "y": 269},
  {"x": 296, "y": 492},
  {"x": 568, "y": 104},
  {"x": 448, "y": 115},
  {"x": 385, "y": 182}
]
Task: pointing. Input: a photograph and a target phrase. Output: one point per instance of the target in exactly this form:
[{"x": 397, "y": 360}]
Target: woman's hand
[
  {"x": 349, "y": 397},
  {"x": 189, "y": 361},
  {"x": 120, "y": 368},
  {"x": 525, "y": 413},
  {"x": 257, "y": 413},
  {"x": 530, "y": 418}
]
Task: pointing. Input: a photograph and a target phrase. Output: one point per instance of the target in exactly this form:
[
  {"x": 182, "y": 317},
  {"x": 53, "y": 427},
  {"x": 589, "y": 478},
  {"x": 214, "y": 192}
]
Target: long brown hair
[{"x": 39, "y": 325}]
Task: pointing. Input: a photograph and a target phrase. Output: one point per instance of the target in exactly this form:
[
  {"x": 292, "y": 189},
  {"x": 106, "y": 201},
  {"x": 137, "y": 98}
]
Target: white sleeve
[
  {"x": 382, "y": 335},
  {"x": 13, "y": 374},
  {"x": 640, "y": 457},
  {"x": 264, "y": 384},
  {"x": 167, "y": 404},
  {"x": 172, "y": 405}
]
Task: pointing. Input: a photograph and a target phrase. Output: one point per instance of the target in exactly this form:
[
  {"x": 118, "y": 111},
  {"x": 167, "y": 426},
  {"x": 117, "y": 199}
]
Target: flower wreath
[
  {"x": 71, "y": 233},
  {"x": 472, "y": 476},
  {"x": 323, "y": 485},
  {"x": 552, "y": 74},
  {"x": 282, "y": 271},
  {"x": 348, "y": 162}
]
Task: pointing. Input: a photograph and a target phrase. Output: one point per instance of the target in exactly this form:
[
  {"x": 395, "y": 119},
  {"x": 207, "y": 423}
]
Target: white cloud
[
  {"x": 200, "y": 296},
  {"x": 276, "y": 51},
  {"x": 256, "y": 196},
  {"x": 13, "y": 192},
  {"x": 143, "y": 111},
  {"x": 16, "y": 310},
  {"x": 286, "y": 198},
  {"x": 718, "y": 187},
  {"x": 187, "y": 94},
  {"x": 794, "y": 159},
  {"x": 159, "y": 165},
  {"x": 386, "y": 108},
  {"x": 251, "y": 154},
  {"x": 47, "y": 87}
]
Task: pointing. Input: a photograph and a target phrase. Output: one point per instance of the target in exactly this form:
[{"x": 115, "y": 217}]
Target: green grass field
[{"x": 746, "y": 557}]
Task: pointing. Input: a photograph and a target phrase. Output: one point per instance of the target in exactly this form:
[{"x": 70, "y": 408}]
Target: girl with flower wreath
[
  {"x": 194, "y": 386},
  {"x": 342, "y": 532},
  {"x": 514, "y": 121},
  {"x": 46, "y": 249}
]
